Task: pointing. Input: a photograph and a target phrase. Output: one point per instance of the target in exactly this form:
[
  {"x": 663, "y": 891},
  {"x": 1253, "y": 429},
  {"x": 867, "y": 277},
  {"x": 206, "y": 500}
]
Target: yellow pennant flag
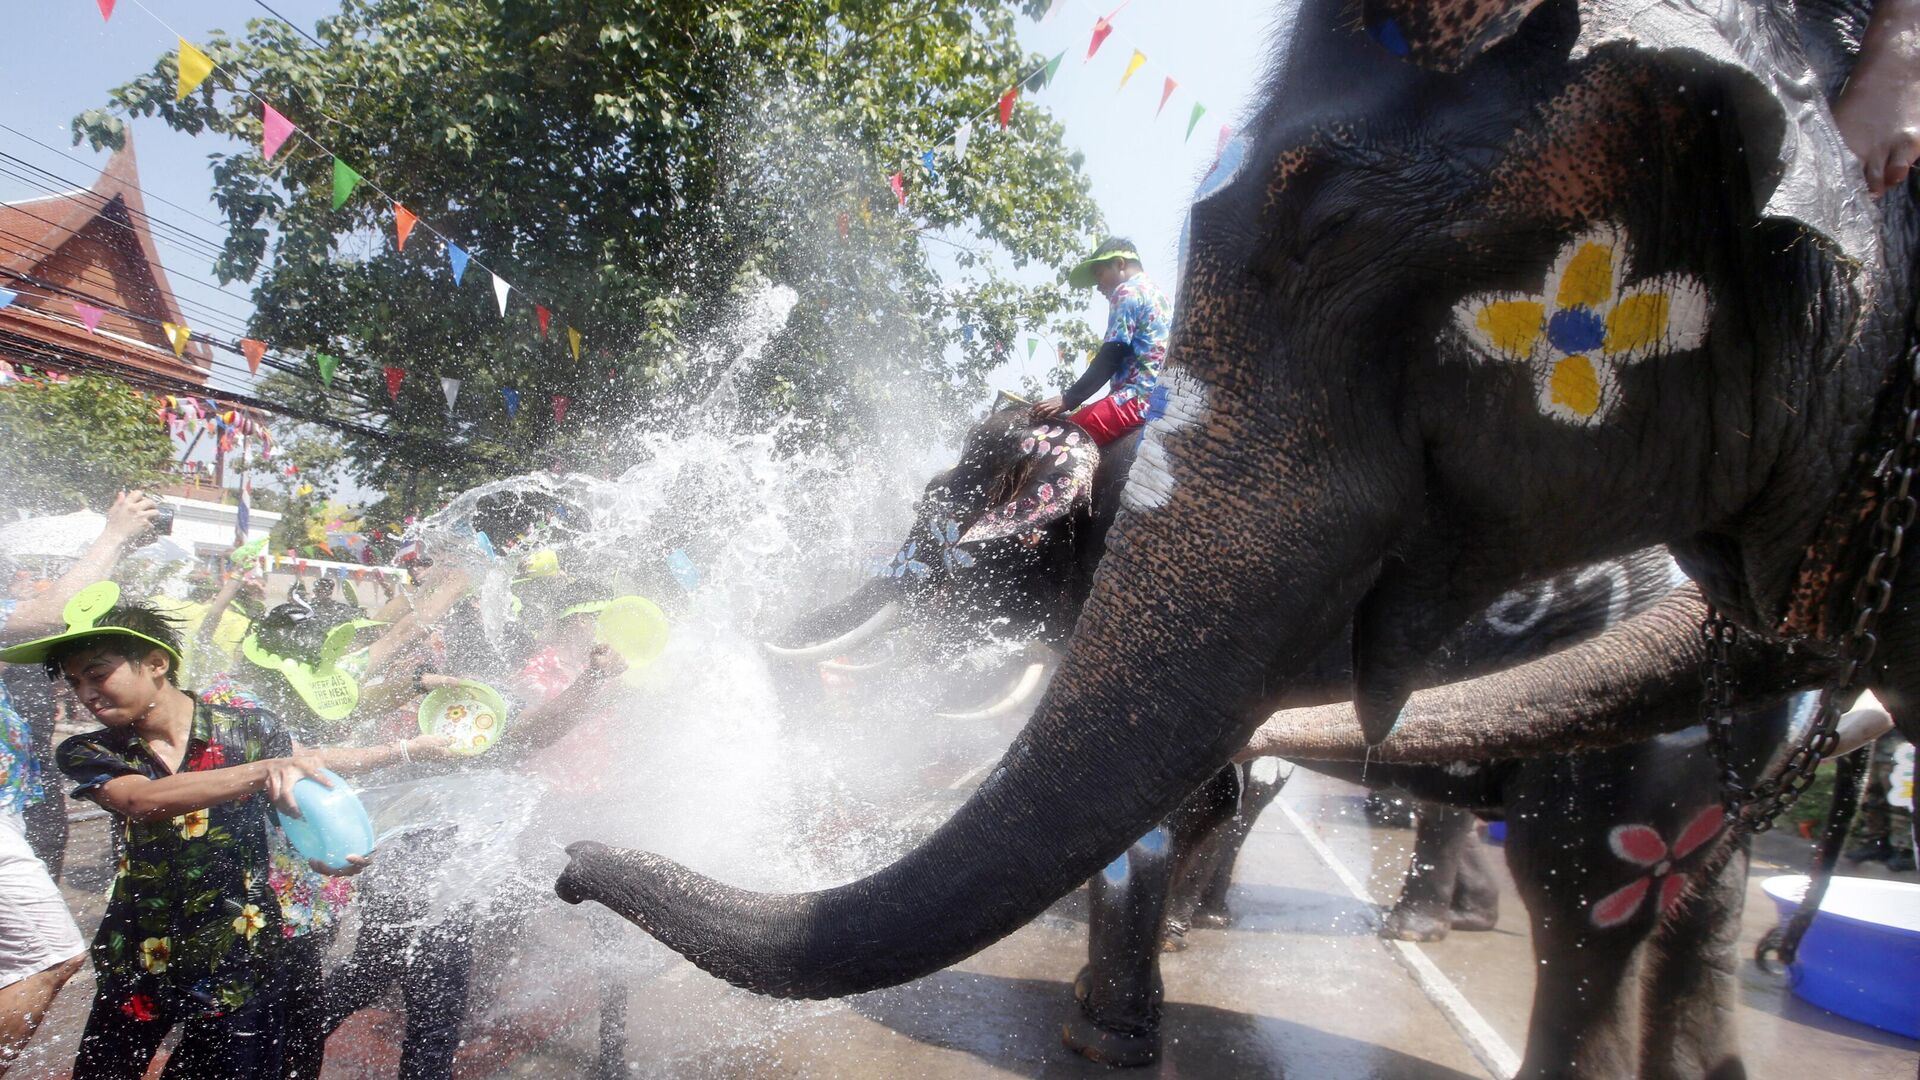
[
  {"x": 178, "y": 334},
  {"x": 1133, "y": 65},
  {"x": 195, "y": 66},
  {"x": 573, "y": 342}
]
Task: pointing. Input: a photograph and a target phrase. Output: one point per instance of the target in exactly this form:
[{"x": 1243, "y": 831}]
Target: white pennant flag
[
  {"x": 451, "y": 388},
  {"x": 1052, "y": 10},
  {"x": 500, "y": 288},
  {"x": 960, "y": 140}
]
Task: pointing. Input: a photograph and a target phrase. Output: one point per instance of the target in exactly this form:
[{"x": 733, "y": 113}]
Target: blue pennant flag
[
  {"x": 927, "y": 160},
  {"x": 8, "y": 296},
  {"x": 458, "y": 257},
  {"x": 513, "y": 401}
]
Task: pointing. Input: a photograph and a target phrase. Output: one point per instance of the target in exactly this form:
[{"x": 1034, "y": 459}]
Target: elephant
[{"x": 1486, "y": 290}]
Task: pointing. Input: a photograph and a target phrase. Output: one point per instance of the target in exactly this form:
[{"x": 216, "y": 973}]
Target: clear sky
[{"x": 65, "y": 59}]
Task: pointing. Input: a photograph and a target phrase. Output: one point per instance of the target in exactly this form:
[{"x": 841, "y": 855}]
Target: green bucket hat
[
  {"x": 82, "y": 615},
  {"x": 1113, "y": 247}
]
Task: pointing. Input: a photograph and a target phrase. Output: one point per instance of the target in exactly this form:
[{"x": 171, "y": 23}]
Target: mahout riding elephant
[{"x": 1486, "y": 291}]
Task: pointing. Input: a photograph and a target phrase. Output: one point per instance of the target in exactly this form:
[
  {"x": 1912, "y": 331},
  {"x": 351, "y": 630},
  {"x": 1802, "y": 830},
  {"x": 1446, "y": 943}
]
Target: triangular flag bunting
[
  {"x": 194, "y": 67},
  {"x": 1193, "y": 121},
  {"x": 560, "y": 403},
  {"x": 512, "y": 398},
  {"x": 898, "y": 182},
  {"x": 403, "y": 221},
  {"x": 1138, "y": 61},
  {"x": 1166, "y": 92},
  {"x": 542, "y": 316},
  {"x": 1052, "y": 10},
  {"x": 927, "y": 160},
  {"x": 274, "y": 130},
  {"x": 457, "y": 256},
  {"x": 254, "y": 350},
  {"x": 106, "y": 10},
  {"x": 1220, "y": 144},
  {"x": 90, "y": 316},
  {"x": 8, "y": 296},
  {"x": 451, "y": 388},
  {"x": 1101, "y": 28},
  {"x": 573, "y": 343},
  {"x": 177, "y": 333},
  {"x": 344, "y": 181},
  {"x": 960, "y": 140},
  {"x": 395, "y": 376},
  {"x": 1032, "y": 344},
  {"x": 1052, "y": 68},
  {"x": 326, "y": 364},
  {"x": 500, "y": 290},
  {"x": 1006, "y": 106}
]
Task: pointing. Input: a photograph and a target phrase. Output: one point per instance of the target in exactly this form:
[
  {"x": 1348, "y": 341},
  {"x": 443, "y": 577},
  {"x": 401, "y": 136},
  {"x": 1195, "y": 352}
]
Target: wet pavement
[{"x": 1300, "y": 987}]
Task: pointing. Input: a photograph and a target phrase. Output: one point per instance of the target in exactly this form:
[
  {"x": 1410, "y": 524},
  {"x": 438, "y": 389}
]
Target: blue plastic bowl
[
  {"x": 332, "y": 823},
  {"x": 1861, "y": 957},
  {"x": 1497, "y": 832}
]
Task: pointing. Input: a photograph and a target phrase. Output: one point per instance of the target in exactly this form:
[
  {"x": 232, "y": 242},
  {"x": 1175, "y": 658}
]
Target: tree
[
  {"x": 640, "y": 169},
  {"x": 73, "y": 443},
  {"x": 300, "y": 486}
]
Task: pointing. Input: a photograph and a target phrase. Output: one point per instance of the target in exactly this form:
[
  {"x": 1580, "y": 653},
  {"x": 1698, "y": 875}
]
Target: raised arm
[{"x": 127, "y": 520}]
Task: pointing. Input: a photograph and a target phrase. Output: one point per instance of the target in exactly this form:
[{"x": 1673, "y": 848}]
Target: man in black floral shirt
[{"x": 191, "y": 929}]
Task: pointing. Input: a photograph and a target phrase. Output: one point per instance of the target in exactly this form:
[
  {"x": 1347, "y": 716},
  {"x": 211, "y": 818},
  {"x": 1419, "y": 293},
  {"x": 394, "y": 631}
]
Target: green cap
[
  {"x": 81, "y": 614},
  {"x": 1113, "y": 247}
]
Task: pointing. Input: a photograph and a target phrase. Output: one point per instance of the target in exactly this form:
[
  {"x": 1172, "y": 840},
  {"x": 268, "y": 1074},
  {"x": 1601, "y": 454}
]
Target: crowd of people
[{"x": 192, "y": 738}]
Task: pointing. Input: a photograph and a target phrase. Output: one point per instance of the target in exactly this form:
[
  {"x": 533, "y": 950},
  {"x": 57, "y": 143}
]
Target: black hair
[
  {"x": 294, "y": 630},
  {"x": 1114, "y": 244},
  {"x": 138, "y": 617}
]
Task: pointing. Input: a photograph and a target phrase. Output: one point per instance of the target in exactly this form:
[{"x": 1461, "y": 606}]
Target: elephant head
[
  {"x": 992, "y": 546},
  {"x": 1587, "y": 287}
]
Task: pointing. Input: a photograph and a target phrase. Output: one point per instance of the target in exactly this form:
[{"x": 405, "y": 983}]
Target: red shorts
[{"x": 1107, "y": 420}]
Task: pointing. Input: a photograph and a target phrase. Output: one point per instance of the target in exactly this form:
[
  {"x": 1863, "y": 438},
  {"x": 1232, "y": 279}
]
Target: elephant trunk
[
  {"x": 1161, "y": 683},
  {"x": 1640, "y": 679}
]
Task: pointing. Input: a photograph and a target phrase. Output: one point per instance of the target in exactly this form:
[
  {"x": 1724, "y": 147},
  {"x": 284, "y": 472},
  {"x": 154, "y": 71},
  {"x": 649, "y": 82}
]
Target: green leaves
[{"x": 73, "y": 445}]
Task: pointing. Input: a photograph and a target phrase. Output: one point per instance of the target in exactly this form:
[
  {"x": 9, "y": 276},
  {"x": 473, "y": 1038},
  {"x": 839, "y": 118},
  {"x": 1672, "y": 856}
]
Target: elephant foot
[
  {"x": 1115, "y": 1049},
  {"x": 569, "y": 886},
  {"x": 1474, "y": 920},
  {"x": 1175, "y": 939},
  {"x": 1213, "y": 918},
  {"x": 1413, "y": 924}
]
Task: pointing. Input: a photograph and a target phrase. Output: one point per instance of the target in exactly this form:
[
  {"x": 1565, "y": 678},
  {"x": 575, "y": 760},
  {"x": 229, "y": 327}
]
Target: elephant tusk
[
  {"x": 849, "y": 667},
  {"x": 1022, "y": 693},
  {"x": 1867, "y": 722},
  {"x": 826, "y": 650}
]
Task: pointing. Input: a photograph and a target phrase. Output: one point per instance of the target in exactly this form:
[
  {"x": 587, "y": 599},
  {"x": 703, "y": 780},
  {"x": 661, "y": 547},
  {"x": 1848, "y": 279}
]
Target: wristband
[{"x": 406, "y": 755}]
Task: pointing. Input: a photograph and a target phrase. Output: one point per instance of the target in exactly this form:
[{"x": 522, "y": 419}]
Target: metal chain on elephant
[{"x": 1754, "y": 809}]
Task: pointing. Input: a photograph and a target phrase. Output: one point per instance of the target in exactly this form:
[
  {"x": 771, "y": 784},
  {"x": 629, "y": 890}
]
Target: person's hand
[
  {"x": 428, "y": 680},
  {"x": 430, "y": 747},
  {"x": 355, "y": 864},
  {"x": 1879, "y": 117},
  {"x": 283, "y": 773},
  {"x": 130, "y": 516},
  {"x": 1048, "y": 408},
  {"x": 604, "y": 663}
]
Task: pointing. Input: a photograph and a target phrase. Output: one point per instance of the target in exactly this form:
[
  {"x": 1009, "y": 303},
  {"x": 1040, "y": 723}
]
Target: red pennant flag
[
  {"x": 1100, "y": 31},
  {"x": 403, "y": 220},
  {"x": 255, "y": 350},
  {"x": 1006, "y": 106},
  {"x": 394, "y": 377},
  {"x": 845, "y": 224},
  {"x": 1165, "y": 93},
  {"x": 544, "y": 316},
  {"x": 106, "y": 10},
  {"x": 898, "y": 182},
  {"x": 560, "y": 403}
]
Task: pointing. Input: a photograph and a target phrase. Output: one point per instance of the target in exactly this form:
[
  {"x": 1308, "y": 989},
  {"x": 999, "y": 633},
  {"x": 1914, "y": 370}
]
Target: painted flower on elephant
[
  {"x": 905, "y": 564},
  {"x": 951, "y": 557},
  {"x": 1644, "y": 846},
  {"x": 1067, "y": 484},
  {"x": 1587, "y": 324}
]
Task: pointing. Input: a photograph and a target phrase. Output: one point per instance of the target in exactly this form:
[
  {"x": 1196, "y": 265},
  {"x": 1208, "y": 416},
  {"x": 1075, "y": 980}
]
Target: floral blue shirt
[
  {"x": 1141, "y": 318},
  {"x": 19, "y": 771}
]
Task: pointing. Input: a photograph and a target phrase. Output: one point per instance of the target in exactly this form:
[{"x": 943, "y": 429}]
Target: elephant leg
[
  {"x": 1265, "y": 777},
  {"x": 1441, "y": 838},
  {"x": 1116, "y": 1015},
  {"x": 1476, "y": 889},
  {"x": 1207, "y": 829},
  {"x": 1691, "y": 985}
]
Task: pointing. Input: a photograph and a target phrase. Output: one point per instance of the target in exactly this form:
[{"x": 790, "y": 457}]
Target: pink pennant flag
[
  {"x": 274, "y": 130},
  {"x": 1101, "y": 29},
  {"x": 1166, "y": 93},
  {"x": 1006, "y": 106},
  {"x": 89, "y": 315},
  {"x": 560, "y": 403},
  {"x": 898, "y": 182},
  {"x": 1220, "y": 145},
  {"x": 106, "y": 10}
]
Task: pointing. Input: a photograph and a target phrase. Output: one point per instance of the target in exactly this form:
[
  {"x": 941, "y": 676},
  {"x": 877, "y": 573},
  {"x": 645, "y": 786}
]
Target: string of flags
[{"x": 193, "y": 67}]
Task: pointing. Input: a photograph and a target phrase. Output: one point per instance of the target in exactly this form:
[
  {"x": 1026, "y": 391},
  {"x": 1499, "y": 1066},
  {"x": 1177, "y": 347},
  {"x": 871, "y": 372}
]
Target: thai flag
[{"x": 409, "y": 551}]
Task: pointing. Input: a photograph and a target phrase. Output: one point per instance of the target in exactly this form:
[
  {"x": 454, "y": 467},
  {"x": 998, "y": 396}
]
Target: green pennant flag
[
  {"x": 1053, "y": 68},
  {"x": 1194, "y": 120},
  {"x": 344, "y": 181},
  {"x": 327, "y": 364}
]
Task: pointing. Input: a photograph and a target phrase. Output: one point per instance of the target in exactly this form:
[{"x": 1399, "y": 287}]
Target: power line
[
  {"x": 82, "y": 161},
  {"x": 74, "y": 190}
]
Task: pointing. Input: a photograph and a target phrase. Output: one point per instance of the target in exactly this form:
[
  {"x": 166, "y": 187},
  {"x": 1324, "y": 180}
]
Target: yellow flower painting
[{"x": 1587, "y": 324}]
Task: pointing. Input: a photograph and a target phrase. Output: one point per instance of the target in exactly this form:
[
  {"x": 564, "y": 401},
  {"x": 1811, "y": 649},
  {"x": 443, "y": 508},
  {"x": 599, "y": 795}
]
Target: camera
[{"x": 162, "y": 525}]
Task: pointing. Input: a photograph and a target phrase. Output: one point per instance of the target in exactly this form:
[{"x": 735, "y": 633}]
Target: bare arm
[
  {"x": 141, "y": 798},
  {"x": 1879, "y": 111},
  {"x": 402, "y": 635},
  {"x": 217, "y": 610},
  {"x": 129, "y": 517},
  {"x": 348, "y": 760},
  {"x": 546, "y": 725}
]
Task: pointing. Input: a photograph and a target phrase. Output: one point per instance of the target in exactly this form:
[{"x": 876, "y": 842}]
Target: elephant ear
[{"x": 1059, "y": 483}]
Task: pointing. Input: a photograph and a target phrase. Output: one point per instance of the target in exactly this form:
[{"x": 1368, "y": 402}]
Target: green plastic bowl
[{"x": 473, "y": 714}]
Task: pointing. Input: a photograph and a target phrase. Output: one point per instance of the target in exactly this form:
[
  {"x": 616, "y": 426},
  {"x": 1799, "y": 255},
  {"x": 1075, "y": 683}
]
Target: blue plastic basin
[
  {"x": 1861, "y": 956},
  {"x": 332, "y": 823}
]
